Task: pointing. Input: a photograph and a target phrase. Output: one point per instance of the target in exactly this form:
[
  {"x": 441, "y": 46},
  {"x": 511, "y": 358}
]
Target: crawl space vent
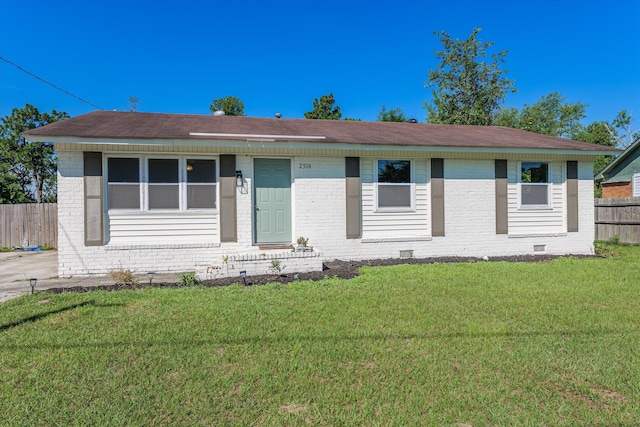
[
  {"x": 539, "y": 248},
  {"x": 406, "y": 254}
]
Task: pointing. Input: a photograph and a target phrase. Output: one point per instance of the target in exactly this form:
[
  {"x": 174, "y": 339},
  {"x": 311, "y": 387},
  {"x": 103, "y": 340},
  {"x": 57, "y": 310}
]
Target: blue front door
[{"x": 272, "y": 201}]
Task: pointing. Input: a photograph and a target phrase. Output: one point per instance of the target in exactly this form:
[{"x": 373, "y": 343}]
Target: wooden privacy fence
[
  {"x": 28, "y": 225},
  {"x": 618, "y": 217}
]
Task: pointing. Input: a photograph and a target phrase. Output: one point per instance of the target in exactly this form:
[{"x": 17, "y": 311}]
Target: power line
[{"x": 50, "y": 84}]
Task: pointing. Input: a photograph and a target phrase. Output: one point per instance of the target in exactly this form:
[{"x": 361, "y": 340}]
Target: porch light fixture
[
  {"x": 189, "y": 167},
  {"x": 238, "y": 178},
  {"x": 150, "y": 275},
  {"x": 33, "y": 282}
]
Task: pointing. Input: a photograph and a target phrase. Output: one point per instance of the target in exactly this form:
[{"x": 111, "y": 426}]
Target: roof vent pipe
[
  {"x": 412, "y": 121},
  {"x": 218, "y": 113},
  {"x": 278, "y": 115}
]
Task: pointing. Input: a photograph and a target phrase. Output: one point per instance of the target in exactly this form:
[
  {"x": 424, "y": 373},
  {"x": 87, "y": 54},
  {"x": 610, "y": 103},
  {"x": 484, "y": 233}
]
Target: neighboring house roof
[
  {"x": 114, "y": 125},
  {"x": 623, "y": 167}
]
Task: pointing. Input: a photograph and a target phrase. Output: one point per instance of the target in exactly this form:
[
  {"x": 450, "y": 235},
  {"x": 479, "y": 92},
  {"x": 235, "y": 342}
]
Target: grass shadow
[
  {"x": 40, "y": 316},
  {"x": 311, "y": 339}
]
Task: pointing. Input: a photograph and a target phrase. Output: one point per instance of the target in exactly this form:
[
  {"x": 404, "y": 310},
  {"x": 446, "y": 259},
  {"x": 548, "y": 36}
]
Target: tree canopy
[
  {"x": 324, "y": 109},
  {"x": 27, "y": 169},
  {"x": 622, "y": 123},
  {"x": 393, "y": 115},
  {"x": 550, "y": 115},
  {"x": 597, "y": 133},
  {"x": 231, "y": 105},
  {"x": 133, "y": 103},
  {"x": 466, "y": 88}
]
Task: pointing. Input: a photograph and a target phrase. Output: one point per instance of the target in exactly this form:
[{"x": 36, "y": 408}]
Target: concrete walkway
[{"x": 17, "y": 268}]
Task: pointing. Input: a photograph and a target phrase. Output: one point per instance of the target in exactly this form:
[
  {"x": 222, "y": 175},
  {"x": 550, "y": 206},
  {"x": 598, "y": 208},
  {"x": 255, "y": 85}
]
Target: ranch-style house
[{"x": 220, "y": 194}]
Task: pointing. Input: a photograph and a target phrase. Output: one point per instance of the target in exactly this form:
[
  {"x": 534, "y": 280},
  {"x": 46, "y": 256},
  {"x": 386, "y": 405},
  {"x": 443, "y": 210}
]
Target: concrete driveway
[{"x": 16, "y": 268}]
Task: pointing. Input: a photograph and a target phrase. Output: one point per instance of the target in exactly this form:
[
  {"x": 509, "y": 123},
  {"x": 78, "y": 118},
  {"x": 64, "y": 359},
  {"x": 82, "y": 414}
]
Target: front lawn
[{"x": 554, "y": 343}]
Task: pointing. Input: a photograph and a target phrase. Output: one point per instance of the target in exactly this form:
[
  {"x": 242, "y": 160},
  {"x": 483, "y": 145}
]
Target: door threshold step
[{"x": 274, "y": 247}]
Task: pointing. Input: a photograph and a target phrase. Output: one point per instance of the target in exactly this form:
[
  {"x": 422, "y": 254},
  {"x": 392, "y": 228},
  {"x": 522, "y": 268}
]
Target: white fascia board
[{"x": 258, "y": 143}]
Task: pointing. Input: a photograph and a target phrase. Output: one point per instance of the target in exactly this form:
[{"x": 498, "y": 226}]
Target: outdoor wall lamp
[
  {"x": 32, "y": 282},
  {"x": 238, "y": 178},
  {"x": 151, "y": 274}
]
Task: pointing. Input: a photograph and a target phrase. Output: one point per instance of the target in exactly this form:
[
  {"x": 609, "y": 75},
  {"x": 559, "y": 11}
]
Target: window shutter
[
  {"x": 502, "y": 217},
  {"x": 93, "y": 211},
  {"x": 228, "y": 212},
  {"x": 572, "y": 196},
  {"x": 636, "y": 185},
  {"x": 353, "y": 197},
  {"x": 437, "y": 197}
]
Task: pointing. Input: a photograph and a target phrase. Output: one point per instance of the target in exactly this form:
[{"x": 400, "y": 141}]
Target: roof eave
[
  {"x": 623, "y": 155},
  {"x": 255, "y": 143}
]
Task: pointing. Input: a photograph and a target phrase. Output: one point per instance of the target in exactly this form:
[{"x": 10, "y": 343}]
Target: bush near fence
[{"x": 29, "y": 225}]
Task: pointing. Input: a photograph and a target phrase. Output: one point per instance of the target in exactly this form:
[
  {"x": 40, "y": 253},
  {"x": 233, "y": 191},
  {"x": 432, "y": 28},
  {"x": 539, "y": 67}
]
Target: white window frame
[
  {"x": 141, "y": 191},
  {"x": 143, "y": 174},
  {"x": 635, "y": 185},
  {"x": 186, "y": 184},
  {"x": 411, "y": 184},
  {"x": 547, "y": 184},
  {"x": 179, "y": 184}
]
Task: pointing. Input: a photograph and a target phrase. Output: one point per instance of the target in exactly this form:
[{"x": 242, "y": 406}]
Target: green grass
[{"x": 447, "y": 344}]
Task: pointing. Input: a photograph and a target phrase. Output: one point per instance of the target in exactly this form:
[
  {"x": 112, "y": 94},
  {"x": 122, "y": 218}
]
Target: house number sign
[{"x": 304, "y": 165}]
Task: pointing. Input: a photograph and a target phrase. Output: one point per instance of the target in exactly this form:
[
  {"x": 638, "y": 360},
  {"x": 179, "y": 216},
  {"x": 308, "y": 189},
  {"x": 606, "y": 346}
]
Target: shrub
[
  {"x": 276, "y": 266},
  {"x": 123, "y": 277},
  {"x": 188, "y": 279}
]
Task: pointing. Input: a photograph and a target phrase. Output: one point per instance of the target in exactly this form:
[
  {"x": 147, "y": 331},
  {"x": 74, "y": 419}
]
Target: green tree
[
  {"x": 550, "y": 115},
  {"x": 133, "y": 103},
  {"x": 466, "y": 88},
  {"x": 622, "y": 122},
  {"x": 27, "y": 169},
  {"x": 231, "y": 105},
  {"x": 601, "y": 133},
  {"x": 393, "y": 115},
  {"x": 323, "y": 109}
]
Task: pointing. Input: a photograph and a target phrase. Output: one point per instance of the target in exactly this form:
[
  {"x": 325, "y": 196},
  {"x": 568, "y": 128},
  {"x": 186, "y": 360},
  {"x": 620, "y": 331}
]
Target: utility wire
[{"x": 50, "y": 84}]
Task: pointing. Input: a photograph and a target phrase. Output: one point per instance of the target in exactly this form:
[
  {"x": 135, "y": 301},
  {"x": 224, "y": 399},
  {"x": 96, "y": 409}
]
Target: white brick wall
[{"x": 318, "y": 211}]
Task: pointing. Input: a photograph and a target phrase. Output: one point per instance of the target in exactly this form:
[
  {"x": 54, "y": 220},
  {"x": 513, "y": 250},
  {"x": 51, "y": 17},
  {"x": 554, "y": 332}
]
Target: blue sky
[{"x": 277, "y": 56}]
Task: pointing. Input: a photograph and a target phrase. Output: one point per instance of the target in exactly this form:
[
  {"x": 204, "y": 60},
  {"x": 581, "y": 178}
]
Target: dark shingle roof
[{"x": 128, "y": 126}]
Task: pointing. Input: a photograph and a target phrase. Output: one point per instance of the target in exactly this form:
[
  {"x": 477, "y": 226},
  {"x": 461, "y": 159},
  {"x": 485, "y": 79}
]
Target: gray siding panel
[
  {"x": 353, "y": 198},
  {"x": 93, "y": 200},
  {"x": 437, "y": 197},
  {"x": 228, "y": 212},
  {"x": 502, "y": 203},
  {"x": 572, "y": 196}
]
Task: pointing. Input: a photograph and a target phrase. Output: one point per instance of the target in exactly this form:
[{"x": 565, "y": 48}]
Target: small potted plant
[{"x": 302, "y": 243}]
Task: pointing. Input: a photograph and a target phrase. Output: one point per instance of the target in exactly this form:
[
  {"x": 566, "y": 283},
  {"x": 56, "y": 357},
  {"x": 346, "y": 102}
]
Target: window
[
  {"x": 394, "y": 190},
  {"x": 534, "y": 184},
  {"x": 164, "y": 189},
  {"x": 201, "y": 184},
  {"x": 166, "y": 184},
  {"x": 123, "y": 186}
]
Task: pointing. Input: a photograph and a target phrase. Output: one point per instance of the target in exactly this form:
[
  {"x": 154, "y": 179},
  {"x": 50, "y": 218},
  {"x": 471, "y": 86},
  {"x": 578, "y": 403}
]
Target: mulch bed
[{"x": 340, "y": 269}]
